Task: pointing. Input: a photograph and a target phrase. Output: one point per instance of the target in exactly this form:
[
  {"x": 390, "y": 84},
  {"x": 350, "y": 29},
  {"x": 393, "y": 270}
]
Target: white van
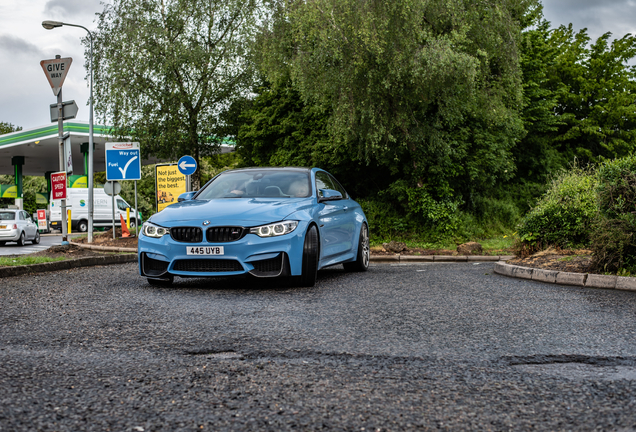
[{"x": 77, "y": 199}]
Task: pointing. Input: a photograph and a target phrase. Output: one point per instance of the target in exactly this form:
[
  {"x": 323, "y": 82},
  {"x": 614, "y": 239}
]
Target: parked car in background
[
  {"x": 266, "y": 222},
  {"x": 17, "y": 226}
]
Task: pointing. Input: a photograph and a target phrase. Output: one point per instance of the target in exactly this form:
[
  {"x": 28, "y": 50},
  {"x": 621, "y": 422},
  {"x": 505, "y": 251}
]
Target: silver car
[{"x": 17, "y": 226}]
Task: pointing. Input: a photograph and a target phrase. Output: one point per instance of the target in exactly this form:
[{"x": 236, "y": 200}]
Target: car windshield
[
  {"x": 7, "y": 215},
  {"x": 258, "y": 184}
]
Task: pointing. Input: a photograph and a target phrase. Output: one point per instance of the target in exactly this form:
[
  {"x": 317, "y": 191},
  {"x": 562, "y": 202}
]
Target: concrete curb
[
  {"x": 65, "y": 265},
  {"x": 437, "y": 258},
  {"x": 565, "y": 278},
  {"x": 104, "y": 248}
]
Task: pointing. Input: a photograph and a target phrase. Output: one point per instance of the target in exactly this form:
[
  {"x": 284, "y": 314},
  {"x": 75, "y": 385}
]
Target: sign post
[
  {"x": 42, "y": 222},
  {"x": 123, "y": 162},
  {"x": 112, "y": 188},
  {"x": 187, "y": 166},
  {"x": 55, "y": 71}
]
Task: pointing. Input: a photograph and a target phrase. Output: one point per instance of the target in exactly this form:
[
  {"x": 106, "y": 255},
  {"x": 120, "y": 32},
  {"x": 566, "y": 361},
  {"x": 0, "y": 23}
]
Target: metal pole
[
  {"x": 90, "y": 151},
  {"x": 188, "y": 185},
  {"x": 113, "y": 200},
  {"x": 60, "y": 132},
  {"x": 136, "y": 213}
]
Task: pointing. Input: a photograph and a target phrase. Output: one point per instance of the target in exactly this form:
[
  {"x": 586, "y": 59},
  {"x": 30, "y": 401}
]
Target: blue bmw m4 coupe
[{"x": 266, "y": 222}]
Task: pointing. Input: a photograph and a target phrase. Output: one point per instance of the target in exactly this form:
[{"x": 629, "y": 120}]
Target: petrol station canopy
[{"x": 40, "y": 148}]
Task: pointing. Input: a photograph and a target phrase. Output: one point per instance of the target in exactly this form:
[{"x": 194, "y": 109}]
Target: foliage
[
  {"x": 30, "y": 185},
  {"x": 6, "y": 128},
  {"x": 564, "y": 215},
  {"x": 614, "y": 239},
  {"x": 165, "y": 69},
  {"x": 429, "y": 88}
]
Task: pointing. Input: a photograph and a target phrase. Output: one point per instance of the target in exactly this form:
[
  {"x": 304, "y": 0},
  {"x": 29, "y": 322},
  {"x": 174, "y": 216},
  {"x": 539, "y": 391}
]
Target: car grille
[
  {"x": 208, "y": 265},
  {"x": 187, "y": 234},
  {"x": 153, "y": 267},
  {"x": 225, "y": 234}
]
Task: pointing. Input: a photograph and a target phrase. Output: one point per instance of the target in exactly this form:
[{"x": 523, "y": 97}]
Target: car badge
[{"x": 207, "y": 222}]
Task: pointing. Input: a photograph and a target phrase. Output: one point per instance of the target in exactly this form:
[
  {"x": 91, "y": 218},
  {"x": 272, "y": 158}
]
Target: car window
[
  {"x": 338, "y": 186},
  {"x": 7, "y": 215},
  {"x": 323, "y": 181},
  {"x": 21, "y": 215},
  {"x": 258, "y": 184},
  {"x": 122, "y": 205}
]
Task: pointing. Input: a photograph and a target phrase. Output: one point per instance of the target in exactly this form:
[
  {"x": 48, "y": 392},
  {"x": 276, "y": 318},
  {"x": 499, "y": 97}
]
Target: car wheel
[
  {"x": 310, "y": 258},
  {"x": 36, "y": 239},
  {"x": 133, "y": 224},
  {"x": 161, "y": 282},
  {"x": 362, "y": 259},
  {"x": 82, "y": 226},
  {"x": 21, "y": 240}
]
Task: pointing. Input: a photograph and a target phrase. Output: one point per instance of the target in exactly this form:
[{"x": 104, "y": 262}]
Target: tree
[
  {"x": 433, "y": 84},
  {"x": 165, "y": 69},
  {"x": 6, "y": 128}
]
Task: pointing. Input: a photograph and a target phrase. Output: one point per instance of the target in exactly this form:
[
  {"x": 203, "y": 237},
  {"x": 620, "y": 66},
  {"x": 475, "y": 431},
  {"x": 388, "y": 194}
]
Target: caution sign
[{"x": 170, "y": 183}]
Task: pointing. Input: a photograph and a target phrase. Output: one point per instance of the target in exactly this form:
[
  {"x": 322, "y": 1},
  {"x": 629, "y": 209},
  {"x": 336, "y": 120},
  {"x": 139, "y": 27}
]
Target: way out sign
[
  {"x": 58, "y": 185},
  {"x": 56, "y": 70},
  {"x": 123, "y": 161}
]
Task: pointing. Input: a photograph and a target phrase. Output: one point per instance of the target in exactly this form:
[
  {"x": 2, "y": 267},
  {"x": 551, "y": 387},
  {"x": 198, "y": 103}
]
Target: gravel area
[{"x": 401, "y": 347}]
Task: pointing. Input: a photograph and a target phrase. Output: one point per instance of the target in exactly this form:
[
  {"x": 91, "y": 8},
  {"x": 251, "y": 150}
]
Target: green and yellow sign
[{"x": 9, "y": 191}]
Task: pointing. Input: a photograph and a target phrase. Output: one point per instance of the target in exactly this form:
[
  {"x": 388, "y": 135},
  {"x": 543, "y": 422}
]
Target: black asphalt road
[{"x": 431, "y": 346}]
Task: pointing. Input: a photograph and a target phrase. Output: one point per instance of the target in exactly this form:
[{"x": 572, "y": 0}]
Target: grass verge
[{"x": 26, "y": 260}]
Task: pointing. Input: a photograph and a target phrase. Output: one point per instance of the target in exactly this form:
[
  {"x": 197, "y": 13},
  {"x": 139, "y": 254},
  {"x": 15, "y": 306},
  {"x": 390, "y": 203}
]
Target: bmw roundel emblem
[{"x": 207, "y": 222}]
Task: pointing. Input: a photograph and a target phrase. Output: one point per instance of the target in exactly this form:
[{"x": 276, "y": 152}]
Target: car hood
[{"x": 230, "y": 211}]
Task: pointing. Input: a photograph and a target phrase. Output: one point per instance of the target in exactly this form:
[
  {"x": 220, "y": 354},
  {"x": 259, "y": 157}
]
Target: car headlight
[
  {"x": 152, "y": 230},
  {"x": 275, "y": 229}
]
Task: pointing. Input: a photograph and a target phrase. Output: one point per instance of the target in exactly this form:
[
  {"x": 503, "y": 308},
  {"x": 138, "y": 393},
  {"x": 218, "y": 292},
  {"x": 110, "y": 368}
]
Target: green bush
[
  {"x": 613, "y": 238},
  {"x": 564, "y": 215}
]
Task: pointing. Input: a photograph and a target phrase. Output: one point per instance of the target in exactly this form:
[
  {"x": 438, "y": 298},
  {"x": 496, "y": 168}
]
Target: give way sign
[{"x": 56, "y": 70}]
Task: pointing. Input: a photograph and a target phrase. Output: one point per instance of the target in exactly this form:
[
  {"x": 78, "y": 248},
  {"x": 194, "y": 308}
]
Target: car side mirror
[
  {"x": 328, "y": 195},
  {"x": 187, "y": 196}
]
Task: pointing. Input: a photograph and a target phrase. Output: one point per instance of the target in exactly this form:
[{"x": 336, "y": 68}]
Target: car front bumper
[{"x": 261, "y": 257}]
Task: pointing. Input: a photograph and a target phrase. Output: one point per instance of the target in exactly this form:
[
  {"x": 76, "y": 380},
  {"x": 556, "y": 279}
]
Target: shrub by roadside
[{"x": 564, "y": 215}]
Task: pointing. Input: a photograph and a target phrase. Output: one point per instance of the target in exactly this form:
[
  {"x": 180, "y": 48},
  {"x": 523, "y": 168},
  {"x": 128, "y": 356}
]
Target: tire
[
  {"x": 310, "y": 258},
  {"x": 21, "y": 240},
  {"x": 36, "y": 239},
  {"x": 362, "y": 259},
  {"x": 133, "y": 224},
  {"x": 161, "y": 282},
  {"x": 82, "y": 226}
]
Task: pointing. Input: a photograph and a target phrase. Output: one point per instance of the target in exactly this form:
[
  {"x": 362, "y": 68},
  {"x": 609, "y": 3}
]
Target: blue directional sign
[
  {"x": 123, "y": 161},
  {"x": 187, "y": 165}
]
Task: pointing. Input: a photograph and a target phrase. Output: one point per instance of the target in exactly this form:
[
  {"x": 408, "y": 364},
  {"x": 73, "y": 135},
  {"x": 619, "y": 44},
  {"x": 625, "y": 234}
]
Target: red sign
[
  {"x": 41, "y": 214},
  {"x": 58, "y": 185}
]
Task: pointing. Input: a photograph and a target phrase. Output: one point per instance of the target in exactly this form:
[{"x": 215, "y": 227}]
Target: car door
[
  {"x": 32, "y": 227},
  {"x": 334, "y": 221}
]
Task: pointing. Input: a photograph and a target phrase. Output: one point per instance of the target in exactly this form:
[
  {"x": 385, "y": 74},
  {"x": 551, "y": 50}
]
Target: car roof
[{"x": 291, "y": 168}]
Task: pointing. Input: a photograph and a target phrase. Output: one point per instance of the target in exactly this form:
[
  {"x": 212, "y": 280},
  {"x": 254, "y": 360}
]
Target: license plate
[
  {"x": 216, "y": 250},
  {"x": 3, "y": 226}
]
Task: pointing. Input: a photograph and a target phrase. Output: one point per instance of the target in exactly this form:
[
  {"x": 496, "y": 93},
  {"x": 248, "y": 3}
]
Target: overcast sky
[{"x": 25, "y": 93}]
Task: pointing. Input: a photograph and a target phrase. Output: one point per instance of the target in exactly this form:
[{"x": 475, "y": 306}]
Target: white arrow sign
[
  {"x": 183, "y": 165},
  {"x": 56, "y": 70}
]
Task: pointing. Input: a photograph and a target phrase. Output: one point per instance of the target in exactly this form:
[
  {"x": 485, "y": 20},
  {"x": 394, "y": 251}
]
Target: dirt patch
[
  {"x": 106, "y": 239},
  {"x": 576, "y": 261}
]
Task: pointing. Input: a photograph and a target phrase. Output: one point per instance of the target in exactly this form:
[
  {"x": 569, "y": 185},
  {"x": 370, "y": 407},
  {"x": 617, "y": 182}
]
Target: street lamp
[{"x": 50, "y": 25}]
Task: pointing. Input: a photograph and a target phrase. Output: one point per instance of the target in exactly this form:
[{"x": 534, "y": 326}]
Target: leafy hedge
[
  {"x": 564, "y": 215},
  {"x": 613, "y": 236}
]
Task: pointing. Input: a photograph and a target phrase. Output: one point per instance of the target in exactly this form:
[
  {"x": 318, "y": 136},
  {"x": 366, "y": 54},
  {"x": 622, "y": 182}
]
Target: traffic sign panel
[
  {"x": 56, "y": 70},
  {"x": 123, "y": 161},
  {"x": 69, "y": 110},
  {"x": 187, "y": 165},
  {"x": 58, "y": 185}
]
